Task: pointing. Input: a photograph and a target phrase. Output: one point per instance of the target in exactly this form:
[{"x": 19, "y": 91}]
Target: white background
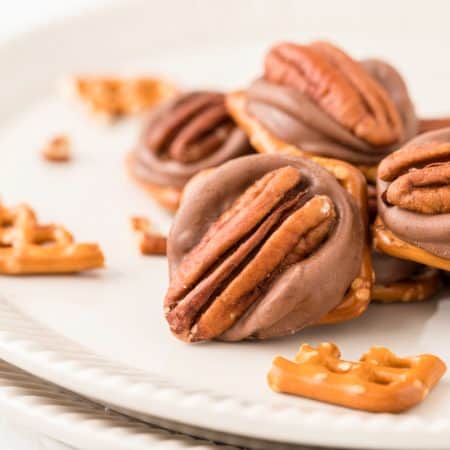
[{"x": 20, "y": 15}]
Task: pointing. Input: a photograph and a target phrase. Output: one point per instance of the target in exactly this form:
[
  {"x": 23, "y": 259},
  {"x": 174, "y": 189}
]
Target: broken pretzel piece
[
  {"x": 27, "y": 247},
  {"x": 150, "y": 243},
  {"x": 379, "y": 382},
  {"x": 114, "y": 97},
  {"x": 58, "y": 149}
]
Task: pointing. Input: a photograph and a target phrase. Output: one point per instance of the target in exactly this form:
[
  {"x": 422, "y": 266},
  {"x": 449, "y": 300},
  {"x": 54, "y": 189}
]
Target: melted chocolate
[{"x": 390, "y": 270}]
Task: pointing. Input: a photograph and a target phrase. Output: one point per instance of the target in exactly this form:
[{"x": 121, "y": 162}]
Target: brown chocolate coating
[
  {"x": 297, "y": 119},
  {"x": 430, "y": 232},
  {"x": 185, "y": 135},
  {"x": 390, "y": 270},
  {"x": 305, "y": 291}
]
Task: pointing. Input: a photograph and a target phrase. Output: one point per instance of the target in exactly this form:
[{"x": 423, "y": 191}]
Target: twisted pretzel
[
  {"x": 379, "y": 382},
  {"x": 357, "y": 298},
  {"x": 27, "y": 247}
]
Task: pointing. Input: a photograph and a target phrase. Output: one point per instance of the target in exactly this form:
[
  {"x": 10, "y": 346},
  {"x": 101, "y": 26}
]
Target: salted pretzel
[
  {"x": 379, "y": 382},
  {"x": 27, "y": 247},
  {"x": 114, "y": 97},
  {"x": 385, "y": 241},
  {"x": 357, "y": 297},
  {"x": 418, "y": 288}
]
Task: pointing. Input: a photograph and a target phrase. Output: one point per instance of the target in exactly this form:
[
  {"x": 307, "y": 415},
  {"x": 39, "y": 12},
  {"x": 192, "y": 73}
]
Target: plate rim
[
  {"x": 55, "y": 358},
  {"x": 71, "y": 420}
]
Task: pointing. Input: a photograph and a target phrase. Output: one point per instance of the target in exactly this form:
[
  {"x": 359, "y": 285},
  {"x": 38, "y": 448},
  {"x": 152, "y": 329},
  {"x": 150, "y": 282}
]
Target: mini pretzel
[
  {"x": 416, "y": 289},
  {"x": 114, "y": 97},
  {"x": 385, "y": 241},
  {"x": 357, "y": 298},
  {"x": 150, "y": 243},
  {"x": 379, "y": 382},
  {"x": 26, "y": 247}
]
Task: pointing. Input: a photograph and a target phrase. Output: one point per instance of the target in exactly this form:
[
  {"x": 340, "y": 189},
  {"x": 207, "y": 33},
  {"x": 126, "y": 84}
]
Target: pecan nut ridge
[
  {"x": 426, "y": 191},
  {"x": 198, "y": 125},
  {"x": 417, "y": 177},
  {"x": 270, "y": 227},
  {"x": 340, "y": 86}
]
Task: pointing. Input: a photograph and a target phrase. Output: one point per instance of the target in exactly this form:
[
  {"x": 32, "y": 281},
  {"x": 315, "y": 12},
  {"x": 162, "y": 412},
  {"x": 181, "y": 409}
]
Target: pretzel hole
[
  {"x": 48, "y": 235},
  {"x": 6, "y": 225}
]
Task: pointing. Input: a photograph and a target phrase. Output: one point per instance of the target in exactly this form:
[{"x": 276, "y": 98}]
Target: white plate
[
  {"x": 116, "y": 313},
  {"x": 55, "y": 419}
]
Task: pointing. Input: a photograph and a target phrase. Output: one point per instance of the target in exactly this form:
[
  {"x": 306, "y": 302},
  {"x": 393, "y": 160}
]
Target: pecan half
[
  {"x": 425, "y": 190},
  {"x": 419, "y": 177},
  {"x": 340, "y": 86},
  {"x": 194, "y": 127},
  {"x": 268, "y": 228}
]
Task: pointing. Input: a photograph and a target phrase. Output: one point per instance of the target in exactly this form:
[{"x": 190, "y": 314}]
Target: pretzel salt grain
[
  {"x": 150, "y": 243},
  {"x": 57, "y": 149},
  {"x": 379, "y": 382},
  {"x": 27, "y": 247}
]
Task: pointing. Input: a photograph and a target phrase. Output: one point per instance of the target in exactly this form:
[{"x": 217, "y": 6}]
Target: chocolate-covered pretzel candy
[
  {"x": 191, "y": 133},
  {"x": 414, "y": 201},
  {"x": 261, "y": 247},
  {"x": 318, "y": 99}
]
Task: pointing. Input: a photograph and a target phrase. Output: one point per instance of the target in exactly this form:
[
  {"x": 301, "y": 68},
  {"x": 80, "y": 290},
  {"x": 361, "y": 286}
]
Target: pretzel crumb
[
  {"x": 57, "y": 149},
  {"x": 379, "y": 382},
  {"x": 115, "y": 97},
  {"x": 150, "y": 242}
]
